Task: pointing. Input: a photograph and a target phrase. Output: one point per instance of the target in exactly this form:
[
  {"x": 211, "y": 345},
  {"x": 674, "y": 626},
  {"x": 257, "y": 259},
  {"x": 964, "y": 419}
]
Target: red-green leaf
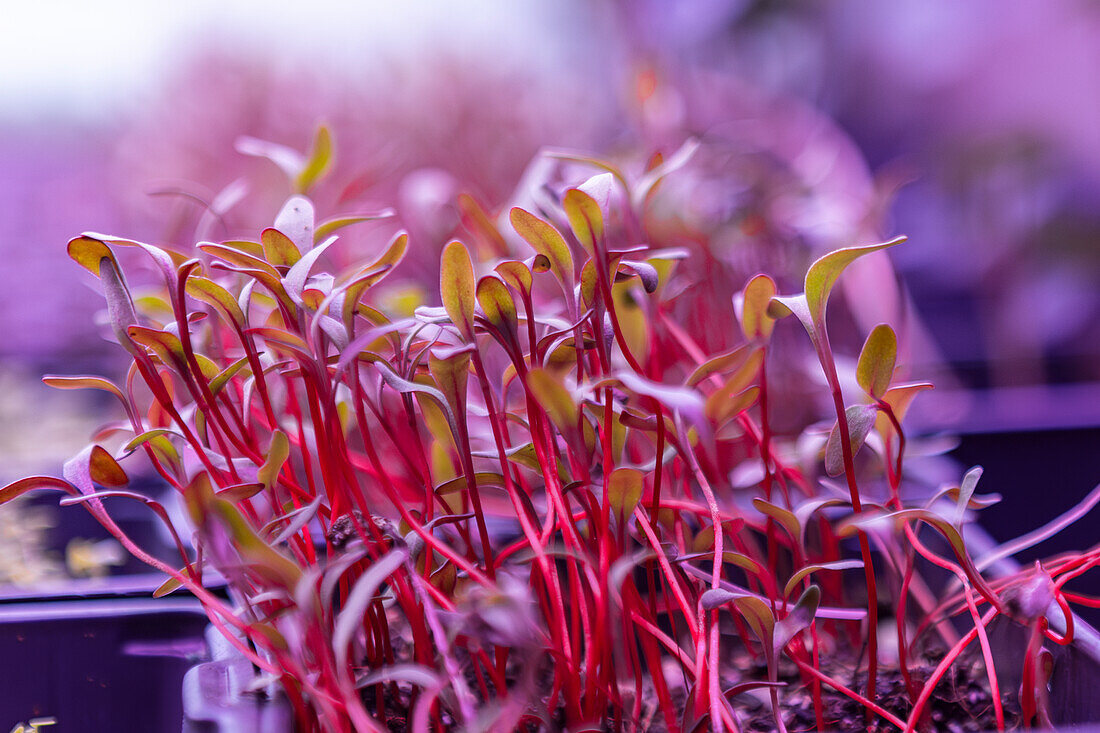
[
  {"x": 458, "y": 484},
  {"x": 32, "y": 483},
  {"x": 240, "y": 492}
]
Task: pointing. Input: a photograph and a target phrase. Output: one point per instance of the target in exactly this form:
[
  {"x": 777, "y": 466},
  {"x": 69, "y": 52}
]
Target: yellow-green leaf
[
  {"x": 756, "y": 323},
  {"x": 456, "y": 287},
  {"x": 759, "y": 617},
  {"x": 823, "y": 274},
  {"x": 83, "y": 382},
  {"x": 875, "y": 368},
  {"x": 319, "y": 162},
  {"x": 208, "y": 291},
  {"x": 279, "y": 250},
  {"x": 451, "y": 375},
  {"x": 499, "y": 308},
  {"x": 783, "y": 517},
  {"x": 88, "y": 253},
  {"x": 546, "y": 241},
  {"x": 555, "y": 399},
  {"x": 277, "y": 453},
  {"x": 803, "y": 572},
  {"x": 624, "y": 490},
  {"x": 458, "y": 484},
  {"x": 585, "y": 217}
]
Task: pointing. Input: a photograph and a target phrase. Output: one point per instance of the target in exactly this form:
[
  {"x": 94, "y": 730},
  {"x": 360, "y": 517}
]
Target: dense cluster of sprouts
[{"x": 541, "y": 504}]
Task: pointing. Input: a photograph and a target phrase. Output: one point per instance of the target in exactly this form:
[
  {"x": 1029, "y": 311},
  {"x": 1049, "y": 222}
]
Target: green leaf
[
  {"x": 526, "y": 456},
  {"x": 456, "y": 287},
  {"x": 783, "y": 517},
  {"x": 319, "y": 162},
  {"x": 823, "y": 274},
  {"x": 756, "y": 323},
  {"x": 816, "y": 567},
  {"x": 624, "y": 490},
  {"x": 546, "y": 241},
  {"x": 875, "y": 368},
  {"x": 217, "y": 384},
  {"x": 860, "y": 418},
  {"x": 759, "y": 618},
  {"x": 165, "y": 345},
  {"x": 371, "y": 275},
  {"x": 239, "y": 257},
  {"x": 458, "y": 484},
  {"x": 718, "y": 364},
  {"x": 148, "y": 435},
  {"x": 800, "y": 617},
  {"x": 171, "y": 584}
]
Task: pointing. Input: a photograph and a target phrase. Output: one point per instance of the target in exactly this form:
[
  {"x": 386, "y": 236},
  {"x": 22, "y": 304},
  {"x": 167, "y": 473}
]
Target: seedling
[{"x": 518, "y": 510}]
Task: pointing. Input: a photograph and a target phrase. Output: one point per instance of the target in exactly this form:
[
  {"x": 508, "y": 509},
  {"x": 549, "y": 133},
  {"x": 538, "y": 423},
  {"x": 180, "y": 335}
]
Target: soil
[{"x": 960, "y": 703}]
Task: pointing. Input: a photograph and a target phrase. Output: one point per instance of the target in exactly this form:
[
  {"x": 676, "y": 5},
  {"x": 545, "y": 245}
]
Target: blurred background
[{"x": 974, "y": 128}]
